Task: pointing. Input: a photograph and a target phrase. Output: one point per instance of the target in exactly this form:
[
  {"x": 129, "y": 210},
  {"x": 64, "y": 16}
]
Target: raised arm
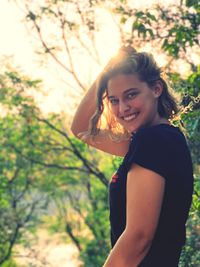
[
  {"x": 84, "y": 112},
  {"x": 80, "y": 124}
]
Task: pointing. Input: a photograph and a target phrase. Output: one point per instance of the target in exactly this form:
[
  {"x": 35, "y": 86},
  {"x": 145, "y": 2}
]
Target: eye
[
  {"x": 113, "y": 101},
  {"x": 131, "y": 95}
]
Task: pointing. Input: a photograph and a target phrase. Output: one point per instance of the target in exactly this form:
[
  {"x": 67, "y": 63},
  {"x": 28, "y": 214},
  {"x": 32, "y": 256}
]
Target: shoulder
[
  {"x": 162, "y": 134},
  {"x": 156, "y": 130},
  {"x": 155, "y": 147}
]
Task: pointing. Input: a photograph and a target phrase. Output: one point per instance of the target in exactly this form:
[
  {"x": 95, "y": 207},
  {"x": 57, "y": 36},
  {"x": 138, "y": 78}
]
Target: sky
[{"x": 17, "y": 42}]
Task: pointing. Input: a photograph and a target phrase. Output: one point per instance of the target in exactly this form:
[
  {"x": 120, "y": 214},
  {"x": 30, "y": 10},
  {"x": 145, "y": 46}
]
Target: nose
[{"x": 123, "y": 107}]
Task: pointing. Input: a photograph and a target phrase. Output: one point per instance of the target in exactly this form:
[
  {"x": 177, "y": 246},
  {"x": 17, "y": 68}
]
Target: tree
[
  {"x": 39, "y": 162},
  {"x": 173, "y": 30},
  {"x": 19, "y": 201}
]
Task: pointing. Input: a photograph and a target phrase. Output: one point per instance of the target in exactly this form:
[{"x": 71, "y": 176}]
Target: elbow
[
  {"x": 145, "y": 244},
  {"x": 76, "y": 132},
  {"x": 77, "y": 129},
  {"x": 141, "y": 238},
  {"x": 74, "y": 129}
]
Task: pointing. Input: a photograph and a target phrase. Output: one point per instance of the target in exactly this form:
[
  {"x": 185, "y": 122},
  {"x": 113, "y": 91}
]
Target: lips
[{"x": 130, "y": 117}]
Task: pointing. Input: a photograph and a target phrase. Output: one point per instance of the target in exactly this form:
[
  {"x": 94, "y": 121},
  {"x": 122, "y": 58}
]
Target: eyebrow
[{"x": 125, "y": 92}]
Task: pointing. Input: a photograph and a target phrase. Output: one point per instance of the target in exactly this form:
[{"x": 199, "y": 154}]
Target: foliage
[
  {"x": 190, "y": 256},
  {"x": 173, "y": 28},
  {"x": 19, "y": 201},
  {"x": 40, "y": 160}
]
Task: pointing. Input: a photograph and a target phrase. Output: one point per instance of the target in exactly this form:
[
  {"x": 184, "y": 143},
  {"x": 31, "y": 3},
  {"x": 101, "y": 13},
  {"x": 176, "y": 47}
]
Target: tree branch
[
  {"x": 49, "y": 51},
  {"x": 46, "y": 164},
  {"x": 91, "y": 169}
]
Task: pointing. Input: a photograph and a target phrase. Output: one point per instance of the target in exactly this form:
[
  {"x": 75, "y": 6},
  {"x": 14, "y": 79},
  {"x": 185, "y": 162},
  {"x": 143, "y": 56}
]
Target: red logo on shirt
[{"x": 114, "y": 178}]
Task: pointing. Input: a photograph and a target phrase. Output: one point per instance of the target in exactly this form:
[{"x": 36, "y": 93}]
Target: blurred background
[{"x": 53, "y": 188}]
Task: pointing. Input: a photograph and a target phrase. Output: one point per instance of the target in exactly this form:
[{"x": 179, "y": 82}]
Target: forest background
[{"x": 48, "y": 178}]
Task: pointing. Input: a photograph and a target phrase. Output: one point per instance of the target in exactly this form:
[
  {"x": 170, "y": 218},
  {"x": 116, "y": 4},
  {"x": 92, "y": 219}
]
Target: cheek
[
  {"x": 137, "y": 103},
  {"x": 147, "y": 101},
  {"x": 113, "y": 110}
]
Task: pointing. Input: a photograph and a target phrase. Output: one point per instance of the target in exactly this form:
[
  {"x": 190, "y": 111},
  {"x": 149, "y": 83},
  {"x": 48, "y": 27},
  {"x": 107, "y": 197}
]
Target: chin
[
  {"x": 134, "y": 129},
  {"x": 131, "y": 129}
]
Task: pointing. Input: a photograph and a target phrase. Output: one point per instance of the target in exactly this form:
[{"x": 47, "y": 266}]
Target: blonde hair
[{"x": 129, "y": 61}]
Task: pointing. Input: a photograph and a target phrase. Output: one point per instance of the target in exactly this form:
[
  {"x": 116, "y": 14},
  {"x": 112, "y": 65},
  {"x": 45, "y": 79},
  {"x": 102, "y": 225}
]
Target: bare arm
[
  {"x": 84, "y": 112},
  {"x": 145, "y": 190}
]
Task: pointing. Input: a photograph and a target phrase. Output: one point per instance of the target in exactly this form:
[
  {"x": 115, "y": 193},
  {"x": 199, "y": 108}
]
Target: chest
[{"x": 117, "y": 189}]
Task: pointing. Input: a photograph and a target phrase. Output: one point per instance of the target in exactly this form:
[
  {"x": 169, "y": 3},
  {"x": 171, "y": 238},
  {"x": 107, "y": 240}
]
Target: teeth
[{"x": 128, "y": 118}]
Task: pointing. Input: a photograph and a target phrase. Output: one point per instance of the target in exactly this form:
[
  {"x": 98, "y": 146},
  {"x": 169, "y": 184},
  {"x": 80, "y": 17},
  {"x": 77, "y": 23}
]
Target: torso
[{"x": 167, "y": 145}]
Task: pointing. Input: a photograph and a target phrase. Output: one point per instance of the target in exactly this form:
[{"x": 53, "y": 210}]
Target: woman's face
[{"x": 132, "y": 102}]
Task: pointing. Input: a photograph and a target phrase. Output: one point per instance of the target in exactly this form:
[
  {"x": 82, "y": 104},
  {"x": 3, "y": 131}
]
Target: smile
[{"x": 130, "y": 117}]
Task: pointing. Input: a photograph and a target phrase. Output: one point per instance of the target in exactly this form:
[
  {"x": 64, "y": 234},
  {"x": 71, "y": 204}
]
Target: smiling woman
[
  {"x": 127, "y": 103},
  {"x": 149, "y": 104},
  {"x": 150, "y": 194}
]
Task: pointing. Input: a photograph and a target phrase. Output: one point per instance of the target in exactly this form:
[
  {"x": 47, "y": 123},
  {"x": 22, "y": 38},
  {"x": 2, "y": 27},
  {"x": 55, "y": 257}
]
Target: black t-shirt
[{"x": 163, "y": 149}]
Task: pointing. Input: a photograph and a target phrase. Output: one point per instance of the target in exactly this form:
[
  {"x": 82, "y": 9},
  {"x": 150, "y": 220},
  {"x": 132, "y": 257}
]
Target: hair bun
[{"x": 127, "y": 49}]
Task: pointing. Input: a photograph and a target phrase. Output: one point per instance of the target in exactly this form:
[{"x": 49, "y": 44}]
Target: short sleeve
[{"x": 151, "y": 150}]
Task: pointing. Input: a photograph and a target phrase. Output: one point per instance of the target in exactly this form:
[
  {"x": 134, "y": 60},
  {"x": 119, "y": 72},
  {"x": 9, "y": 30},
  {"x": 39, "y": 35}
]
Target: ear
[{"x": 158, "y": 88}]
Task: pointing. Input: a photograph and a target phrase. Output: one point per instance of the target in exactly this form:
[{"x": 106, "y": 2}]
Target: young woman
[{"x": 150, "y": 194}]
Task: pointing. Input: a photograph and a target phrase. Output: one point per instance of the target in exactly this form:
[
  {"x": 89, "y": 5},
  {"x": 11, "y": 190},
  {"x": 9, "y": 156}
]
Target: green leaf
[
  {"x": 123, "y": 20},
  {"x": 152, "y": 17},
  {"x": 139, "y": 14},
  {"x": 31, "y": 16}
]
